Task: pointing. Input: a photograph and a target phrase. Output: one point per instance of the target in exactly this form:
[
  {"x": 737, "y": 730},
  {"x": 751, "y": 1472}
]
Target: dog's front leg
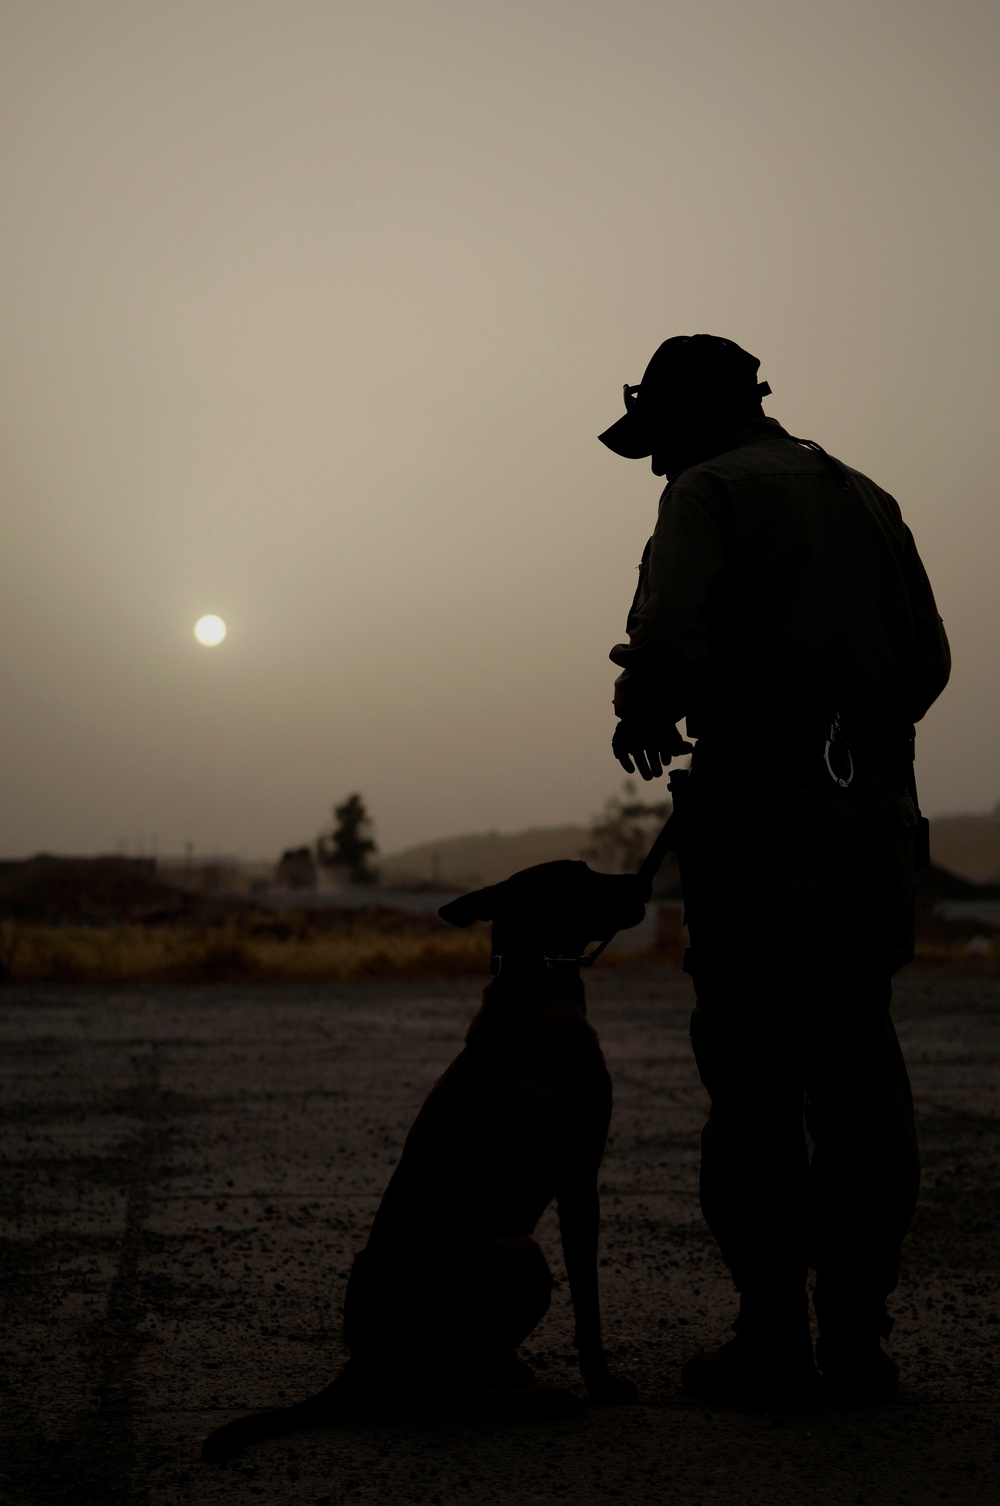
[{"x": 580, "y": 1222}]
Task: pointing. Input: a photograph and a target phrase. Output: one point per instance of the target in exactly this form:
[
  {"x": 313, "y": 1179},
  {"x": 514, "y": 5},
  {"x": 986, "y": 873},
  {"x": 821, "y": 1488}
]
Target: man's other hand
[{"x": 645, "y": 748}]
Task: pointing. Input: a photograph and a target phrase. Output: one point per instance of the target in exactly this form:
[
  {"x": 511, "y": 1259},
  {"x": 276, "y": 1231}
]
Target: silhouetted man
[{"x": 782, "y": 609}]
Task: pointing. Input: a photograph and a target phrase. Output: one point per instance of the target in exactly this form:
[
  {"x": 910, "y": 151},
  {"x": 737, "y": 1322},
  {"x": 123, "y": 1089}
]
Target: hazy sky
[{"x": 312, "y": 313}]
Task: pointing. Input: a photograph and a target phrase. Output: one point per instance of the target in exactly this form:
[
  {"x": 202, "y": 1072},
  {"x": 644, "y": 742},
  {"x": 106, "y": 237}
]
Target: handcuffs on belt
[{"x": 835, "y": 750}]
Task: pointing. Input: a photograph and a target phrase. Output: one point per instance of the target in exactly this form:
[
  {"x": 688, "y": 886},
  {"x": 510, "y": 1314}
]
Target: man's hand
[{"x": 647, "y": 748}]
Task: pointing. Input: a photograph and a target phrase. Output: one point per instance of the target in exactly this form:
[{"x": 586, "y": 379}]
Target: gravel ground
[{"x": 188, "y": 1171}]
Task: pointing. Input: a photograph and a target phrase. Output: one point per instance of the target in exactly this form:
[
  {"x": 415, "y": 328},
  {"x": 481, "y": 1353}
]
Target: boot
[
  {"x": 856, "y": 1372},
  {"x": 768, "y": 1364},
  {"x": 855, "y": 1369}
]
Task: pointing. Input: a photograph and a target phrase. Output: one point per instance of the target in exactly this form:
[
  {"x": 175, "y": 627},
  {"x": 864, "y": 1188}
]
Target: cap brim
[{"x": 628, "y": 438}]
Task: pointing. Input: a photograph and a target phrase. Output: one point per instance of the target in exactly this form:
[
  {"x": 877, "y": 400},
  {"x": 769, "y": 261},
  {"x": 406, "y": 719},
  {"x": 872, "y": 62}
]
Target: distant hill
[
  {"x": 482, "y": 858},
  {"x": 935, "y": 884},
  {"x": 472, "y": 862},
  {"x": 968, "y": 845}
]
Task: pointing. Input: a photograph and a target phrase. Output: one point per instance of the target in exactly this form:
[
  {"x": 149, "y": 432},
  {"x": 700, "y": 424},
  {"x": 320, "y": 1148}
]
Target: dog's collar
[
  {"x": 528, "y": 965},
  {"x": 518, "y": 962}
]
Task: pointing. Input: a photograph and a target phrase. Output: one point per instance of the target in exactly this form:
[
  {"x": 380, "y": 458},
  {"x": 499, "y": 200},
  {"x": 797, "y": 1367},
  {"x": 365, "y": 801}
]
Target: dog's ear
[{"x": 479, "y": 905}]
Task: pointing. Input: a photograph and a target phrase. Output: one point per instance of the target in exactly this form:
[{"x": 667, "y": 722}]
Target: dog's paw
[{"x": 611, "y": 1390}]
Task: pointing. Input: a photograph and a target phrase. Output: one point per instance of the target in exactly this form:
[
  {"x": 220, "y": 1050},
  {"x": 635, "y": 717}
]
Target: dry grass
[
  {"x": 342, "y": 946},
  {"x": 303, "y": 947},
  {"x": 964, "y": 942},
  {"x": 281, "y": 953}
]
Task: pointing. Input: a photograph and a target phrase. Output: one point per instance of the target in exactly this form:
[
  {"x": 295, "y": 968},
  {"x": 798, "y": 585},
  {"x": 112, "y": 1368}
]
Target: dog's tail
[{"x": 321, "y": 1410}]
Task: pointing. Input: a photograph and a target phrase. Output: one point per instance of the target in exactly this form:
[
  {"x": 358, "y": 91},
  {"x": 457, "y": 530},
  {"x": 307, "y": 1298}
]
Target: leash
[{"x": 664, "y": 842}]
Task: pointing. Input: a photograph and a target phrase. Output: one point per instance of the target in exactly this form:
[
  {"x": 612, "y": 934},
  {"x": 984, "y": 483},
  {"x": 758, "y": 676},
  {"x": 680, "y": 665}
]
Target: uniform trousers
[
  {"x": 809, "y": 1155},
  {"x": 799, "y": 902}
]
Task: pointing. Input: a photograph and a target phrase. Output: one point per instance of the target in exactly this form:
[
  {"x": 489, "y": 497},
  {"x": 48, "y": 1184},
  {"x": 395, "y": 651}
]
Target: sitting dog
[{"x": 451, "y": 1280}]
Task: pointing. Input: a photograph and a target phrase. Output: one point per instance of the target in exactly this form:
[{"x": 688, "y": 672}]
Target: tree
[
  {"x": 622, "y": 832},
  {"x": 348, "y": 843}
]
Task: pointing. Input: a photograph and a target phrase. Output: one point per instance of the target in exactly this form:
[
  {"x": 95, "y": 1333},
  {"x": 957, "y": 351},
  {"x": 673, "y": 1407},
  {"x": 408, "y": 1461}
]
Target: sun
[{"x": 210, "y": 630}]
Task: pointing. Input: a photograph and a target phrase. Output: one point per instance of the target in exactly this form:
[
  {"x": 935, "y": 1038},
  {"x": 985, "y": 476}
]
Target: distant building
[{"x": 296, "y": 869}]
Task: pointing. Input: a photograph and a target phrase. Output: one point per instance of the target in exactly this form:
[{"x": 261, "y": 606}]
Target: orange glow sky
[{"x": 312, "y": 310}]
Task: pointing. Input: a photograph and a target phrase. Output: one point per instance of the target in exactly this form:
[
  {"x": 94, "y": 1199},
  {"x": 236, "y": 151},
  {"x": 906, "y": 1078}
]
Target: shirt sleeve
[
  {"x": 667, "y": 653},
  {"x": 932, "y": 654}
]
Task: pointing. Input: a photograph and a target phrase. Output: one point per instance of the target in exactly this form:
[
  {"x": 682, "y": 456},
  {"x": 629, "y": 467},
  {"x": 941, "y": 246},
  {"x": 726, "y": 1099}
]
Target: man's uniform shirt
[{"x": 779, "y": 585}]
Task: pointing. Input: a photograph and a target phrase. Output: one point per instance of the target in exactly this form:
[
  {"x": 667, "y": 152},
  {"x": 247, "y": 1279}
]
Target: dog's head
[{"x": 553, "y": 910}]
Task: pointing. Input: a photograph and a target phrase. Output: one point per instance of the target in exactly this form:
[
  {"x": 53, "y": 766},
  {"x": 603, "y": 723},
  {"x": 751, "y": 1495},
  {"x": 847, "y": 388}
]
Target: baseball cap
[{"x": 704, "y": 371}]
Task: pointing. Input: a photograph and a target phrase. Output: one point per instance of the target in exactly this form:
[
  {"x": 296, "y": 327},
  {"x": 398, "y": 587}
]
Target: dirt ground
[{"x": 188, "y": 1171}]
